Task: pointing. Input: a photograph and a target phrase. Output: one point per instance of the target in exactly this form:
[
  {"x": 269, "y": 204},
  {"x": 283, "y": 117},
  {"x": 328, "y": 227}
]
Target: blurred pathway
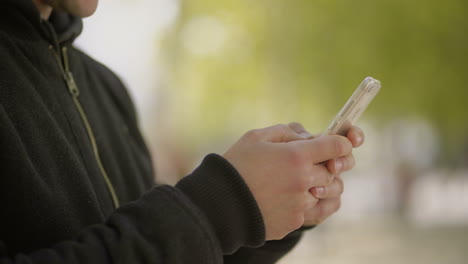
[{"x": 381, "y": 241}]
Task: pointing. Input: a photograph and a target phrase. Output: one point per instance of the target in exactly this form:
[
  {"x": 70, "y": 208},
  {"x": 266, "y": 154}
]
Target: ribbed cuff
[{"x": 220, "y": 192}]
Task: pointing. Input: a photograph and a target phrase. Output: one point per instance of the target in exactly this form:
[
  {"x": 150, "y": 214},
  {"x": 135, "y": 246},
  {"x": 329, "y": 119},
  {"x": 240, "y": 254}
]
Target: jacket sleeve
[
  {"x": 269, "y": 253},
  {"x": 183, "y": 224},
  {"x": 161, "y": 227}
]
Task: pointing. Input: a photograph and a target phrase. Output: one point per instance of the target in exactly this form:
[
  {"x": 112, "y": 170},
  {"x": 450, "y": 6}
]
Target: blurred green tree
[{"x": 240, "y": 64}]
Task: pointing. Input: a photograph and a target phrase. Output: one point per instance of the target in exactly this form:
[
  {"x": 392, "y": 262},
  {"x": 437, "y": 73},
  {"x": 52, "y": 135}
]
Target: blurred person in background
[{"x": 77, "y": 179}]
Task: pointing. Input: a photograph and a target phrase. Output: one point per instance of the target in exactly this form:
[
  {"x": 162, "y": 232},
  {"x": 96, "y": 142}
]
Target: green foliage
[{"x": 278, "y": 61}]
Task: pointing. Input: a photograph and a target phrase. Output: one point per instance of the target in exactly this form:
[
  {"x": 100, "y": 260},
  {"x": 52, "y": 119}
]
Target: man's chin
[
  {"x": 79, "y": 8},
  {"x": 82, "y": 12}
]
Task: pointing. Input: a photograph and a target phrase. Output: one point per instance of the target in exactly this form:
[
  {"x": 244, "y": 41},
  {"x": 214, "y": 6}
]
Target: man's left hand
[{"x": 329, "y": 197}]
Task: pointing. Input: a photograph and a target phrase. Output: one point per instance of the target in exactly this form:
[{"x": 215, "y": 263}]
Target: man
[{"x": 77, "y": 181}]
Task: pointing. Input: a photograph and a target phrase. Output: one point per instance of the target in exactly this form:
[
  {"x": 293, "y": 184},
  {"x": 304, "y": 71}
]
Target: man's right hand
[{"x": 280, "y": 166}]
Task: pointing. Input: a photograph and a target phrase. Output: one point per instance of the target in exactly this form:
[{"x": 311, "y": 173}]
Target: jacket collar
[{"x": 65, "y": 26}]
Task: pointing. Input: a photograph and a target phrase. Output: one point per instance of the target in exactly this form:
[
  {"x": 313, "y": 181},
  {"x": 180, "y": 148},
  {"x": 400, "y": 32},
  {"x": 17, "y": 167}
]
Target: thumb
[
  {"x": 279, "y": 133},
  {"x": 299, "y": 129}
]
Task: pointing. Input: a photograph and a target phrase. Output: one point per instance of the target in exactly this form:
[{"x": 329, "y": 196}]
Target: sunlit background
[{"x": 202, "y": 72}]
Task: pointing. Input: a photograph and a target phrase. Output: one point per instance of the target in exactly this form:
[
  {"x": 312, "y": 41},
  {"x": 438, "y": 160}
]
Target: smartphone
[{"x": 354, "y": 107}]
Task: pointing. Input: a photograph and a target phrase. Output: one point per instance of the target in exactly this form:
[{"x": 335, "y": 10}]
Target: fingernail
[
  {"x": 338, "y": 165},
  {"x": 358, "y": 140},
  {"x": 320, "y": 191}
]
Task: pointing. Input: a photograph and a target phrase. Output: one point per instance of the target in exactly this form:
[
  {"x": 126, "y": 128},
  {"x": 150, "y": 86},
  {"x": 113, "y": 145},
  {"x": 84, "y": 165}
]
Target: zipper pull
[{"x": 72, "y": 87}]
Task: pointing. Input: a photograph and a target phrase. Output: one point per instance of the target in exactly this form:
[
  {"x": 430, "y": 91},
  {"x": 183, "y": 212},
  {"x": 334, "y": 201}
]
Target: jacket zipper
[{"x": 75, "y": 92}]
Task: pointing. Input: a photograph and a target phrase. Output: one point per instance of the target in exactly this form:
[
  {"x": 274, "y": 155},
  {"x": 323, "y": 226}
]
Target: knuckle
[
  {"x": 253, "y": 134},
  {"x": 301, "y": 184},
  {"x": 297, "y": 221},
  {"x": 321, "y": 176},
  {"x": 330, "y": 178},
  {"x": 320, "y": 212},
  {"x": 304, "y": 203},
  {"x": 296, "y": 214},
  {"x": 342, "y": 146},
  {"x": 314, "y": 202},
  {"x": 296, "y": 126},
  {"x": 340, "y": 186},
  {"x": 282, "y": 127}
]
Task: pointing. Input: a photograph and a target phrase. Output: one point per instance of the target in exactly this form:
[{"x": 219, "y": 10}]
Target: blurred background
[{"x": 204, "y": 72}]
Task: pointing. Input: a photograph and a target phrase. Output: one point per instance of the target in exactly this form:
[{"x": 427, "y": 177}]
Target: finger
[
  {"x": 311, "y": 201},
  {"x": 275, "y": 134},
  {"x": 323, "y": 209},
  {"x": 348, "y": 162},
  {"x": 299, "y": 129},
  {"x": 335, "y": 165},
  {"x": 324, "y": 148},
  {"x": 335, "y": 189},
  {"x": 341, "y": 164},
  {"x": 356, "y": 136},
  {"x": 321, "y": 176}
]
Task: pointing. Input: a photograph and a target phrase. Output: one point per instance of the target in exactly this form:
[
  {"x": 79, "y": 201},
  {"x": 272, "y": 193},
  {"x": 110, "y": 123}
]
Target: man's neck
[{"x": 44, "y": 9}]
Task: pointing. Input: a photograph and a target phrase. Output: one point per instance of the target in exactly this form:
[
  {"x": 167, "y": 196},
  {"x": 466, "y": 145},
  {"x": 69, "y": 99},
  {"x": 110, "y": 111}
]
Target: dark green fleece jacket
[{"x": 76, "y": 180}]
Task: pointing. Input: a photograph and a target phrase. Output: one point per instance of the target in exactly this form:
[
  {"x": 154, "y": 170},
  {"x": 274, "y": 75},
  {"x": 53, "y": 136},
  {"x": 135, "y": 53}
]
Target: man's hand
[
  {"x": 330, "y": 196},
  {"x": 281, "y": 168}
]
